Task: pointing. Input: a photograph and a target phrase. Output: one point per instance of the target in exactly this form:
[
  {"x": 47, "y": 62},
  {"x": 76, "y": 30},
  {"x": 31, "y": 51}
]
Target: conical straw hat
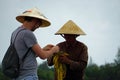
[
  {"x": 35, "y": 13},
  {"x": 70, "y": 28}
]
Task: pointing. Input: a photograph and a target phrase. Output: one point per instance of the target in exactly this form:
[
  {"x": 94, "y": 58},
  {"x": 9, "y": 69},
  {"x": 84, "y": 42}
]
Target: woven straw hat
[
  {"x": 70, "y": 28},
  {"x": 35, "y": 13}
]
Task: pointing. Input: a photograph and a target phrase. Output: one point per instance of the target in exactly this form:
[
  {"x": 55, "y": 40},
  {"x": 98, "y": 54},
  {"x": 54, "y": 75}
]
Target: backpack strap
[
  {"x": 14, "y": 42},
  {"x": 16, "y": 36},
  {"x": 25, "y": 54}
]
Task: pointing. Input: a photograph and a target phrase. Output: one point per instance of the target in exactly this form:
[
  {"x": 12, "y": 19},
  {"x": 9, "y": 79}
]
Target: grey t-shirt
[{"x": 24, "y": 40}]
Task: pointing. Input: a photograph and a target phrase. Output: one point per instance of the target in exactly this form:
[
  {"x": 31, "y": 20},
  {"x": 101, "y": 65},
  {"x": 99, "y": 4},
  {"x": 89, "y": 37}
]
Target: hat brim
[
  {"x": 59, "y": 33},
  {"x": 45, "y": 22},
  {"x": 70, "y": 28}
]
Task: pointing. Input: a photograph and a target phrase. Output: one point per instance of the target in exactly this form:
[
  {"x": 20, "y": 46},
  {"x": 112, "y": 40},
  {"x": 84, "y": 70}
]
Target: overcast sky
[{"x": 99, "y": 19}]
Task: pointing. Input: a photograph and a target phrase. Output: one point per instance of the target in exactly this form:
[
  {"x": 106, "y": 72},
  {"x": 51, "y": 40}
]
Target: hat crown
[
  {"x": 70, "y": 28},
  {"x": 33, "y": 12}
]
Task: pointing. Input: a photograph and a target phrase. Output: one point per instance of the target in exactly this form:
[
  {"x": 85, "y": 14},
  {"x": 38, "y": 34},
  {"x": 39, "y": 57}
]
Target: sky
[{"x": 99, "y": 19}]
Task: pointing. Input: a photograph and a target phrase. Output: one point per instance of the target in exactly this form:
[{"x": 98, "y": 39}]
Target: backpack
[{"x": 10, "y": 62}]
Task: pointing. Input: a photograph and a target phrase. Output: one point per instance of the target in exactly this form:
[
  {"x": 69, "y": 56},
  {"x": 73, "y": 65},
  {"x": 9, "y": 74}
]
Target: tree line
[{"x": 108, "y": 71}]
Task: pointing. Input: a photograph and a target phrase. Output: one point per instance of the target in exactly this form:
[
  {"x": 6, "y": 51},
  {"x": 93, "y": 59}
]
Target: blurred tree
[
  {"x": 92, "y": 72},
  {"x": 117, "y": 60},
  {"x": 117, "y": 65},
  {"x": 90, "y": 61},
  {"x": 44, "y": 72}
]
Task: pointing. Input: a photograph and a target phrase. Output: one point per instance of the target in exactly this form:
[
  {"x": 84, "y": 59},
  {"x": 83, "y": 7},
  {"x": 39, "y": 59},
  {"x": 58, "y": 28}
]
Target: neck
[
  {"x": 26, "y": 25},
  {"x": 72, "y": 44}
]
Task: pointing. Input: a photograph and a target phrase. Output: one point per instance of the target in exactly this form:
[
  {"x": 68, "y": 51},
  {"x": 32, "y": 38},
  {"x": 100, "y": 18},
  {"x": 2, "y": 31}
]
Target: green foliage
[
  {"x": 92, "y": 72},
  {"x": 45, "y": 73},
  {"x": 117, "y": 60},
  {"x": 104, "y": 72}
]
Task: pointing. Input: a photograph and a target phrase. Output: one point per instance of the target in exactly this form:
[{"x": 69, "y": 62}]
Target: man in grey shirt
[{"x": 31, "y": 20}]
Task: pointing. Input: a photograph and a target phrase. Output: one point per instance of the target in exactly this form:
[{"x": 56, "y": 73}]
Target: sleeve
[
  {"x": 81, "y": 65},
  {"x": 29, "y": 39}
]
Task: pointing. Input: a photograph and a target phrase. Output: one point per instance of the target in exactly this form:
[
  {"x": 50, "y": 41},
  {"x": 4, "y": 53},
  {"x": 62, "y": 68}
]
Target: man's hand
[
  {"x": 48, "y": 47},
  {"x": 64, "y": 59}
]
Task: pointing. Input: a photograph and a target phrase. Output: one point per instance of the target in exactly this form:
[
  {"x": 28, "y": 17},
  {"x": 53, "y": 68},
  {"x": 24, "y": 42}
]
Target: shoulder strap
[
  {"x": 25, "y": 54},
  {"x": 14, "y": 42},
  {"x": 16, "y": 36}
]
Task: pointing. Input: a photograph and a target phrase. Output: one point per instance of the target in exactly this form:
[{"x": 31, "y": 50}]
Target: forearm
[
  {"x": 77, "y": 65},
  {"x": 42, "y": 53}
]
